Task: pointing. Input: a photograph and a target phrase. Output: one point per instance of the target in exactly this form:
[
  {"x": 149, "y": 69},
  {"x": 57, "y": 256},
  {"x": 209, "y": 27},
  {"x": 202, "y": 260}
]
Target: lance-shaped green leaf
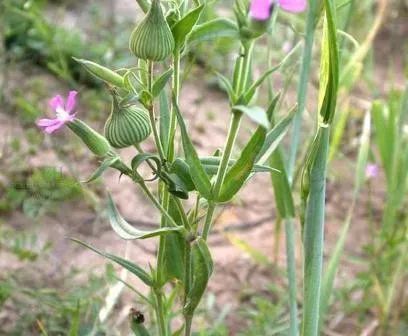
[
  {"x": 281, "y": 186},
  {"x": 329, "y": 68},
  {"x": 131, "y": 267},
  {"x": 211, "y": 164},
  {"x": 226, "y": 84},
  {"x": 202, "y": 266},
  {"x": 198, "y": 174},
  {"x": 106, "y": 163},
  {"x": 255, "y": 113},
  {"x": 101, "y": 72},
  {"x": 129, "y": 232},
  {"x": 214, "y": 29},
  {"x": 240, "y": 171},
  {"x": 174, "y": 247},
  {"x": 249, "y": 94},
  {"x": 182, "y": 170},
  {"x": 274, "y": 137},
  {"x": 184, "y": 27},
  {"x": 161, "y": 82}
]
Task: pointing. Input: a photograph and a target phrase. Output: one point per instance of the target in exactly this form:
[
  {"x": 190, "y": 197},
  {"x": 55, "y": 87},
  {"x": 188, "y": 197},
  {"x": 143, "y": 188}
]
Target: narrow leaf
[
  {"x": 198, "y": 174},
  {"x": 281, "y": 186},
  {"x": 240, "y": 171},
  {"x": 106, "y": 163},
  {"x": 274, "y": 137},
  {"x": 214, "y": 29},
  {"x": 183, "y": 27},
  {"x": 160, "y": 83},
  {"x": 129, "y": 232},
  {"x": 131, "y": 267},
  {"x": 255, "y": 113}
]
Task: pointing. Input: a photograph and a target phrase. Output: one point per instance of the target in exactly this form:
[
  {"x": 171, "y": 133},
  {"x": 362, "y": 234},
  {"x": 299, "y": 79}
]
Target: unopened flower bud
[{"x": 96, "y": 142}]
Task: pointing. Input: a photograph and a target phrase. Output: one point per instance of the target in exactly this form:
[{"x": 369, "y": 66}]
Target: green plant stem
[
  {"x": 297, "y": 122},
  {"x": 303, "y": 84},
  {"x": 156, "y": 203},
  {"x": 226, "y": 156},
  {"x": 222, "y": 170},
  {"x": 187, "y": 285},
  {"x": 152, "y": 116},
  {"x": 291, "y": 271},
  {"x": 160, "y": 313},
  {"x": 314, "y": 233},
  {"x": 241, "y": 84},
  {"x": 176, "y": 94}
]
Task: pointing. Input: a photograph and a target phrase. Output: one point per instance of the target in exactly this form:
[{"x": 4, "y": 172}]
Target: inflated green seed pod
[
  {"x": 96, "y": 142},
  {"x": 127, "y": 126},
  {"x": 152, "y": 38}
]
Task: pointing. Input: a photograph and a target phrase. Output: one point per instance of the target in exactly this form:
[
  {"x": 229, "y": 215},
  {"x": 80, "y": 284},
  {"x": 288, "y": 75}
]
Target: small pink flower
[
  {"x": 261, "y": 9},
  {"x": 63, "y": 110},
  {"x": 372, "y": 171}
]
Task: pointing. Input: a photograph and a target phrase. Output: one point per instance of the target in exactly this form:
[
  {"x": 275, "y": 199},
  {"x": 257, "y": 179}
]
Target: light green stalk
[
  {"x": 301, "y": 99},
  {"x": 312, "y": 18},
  {"x": 239, "y": 86},
  {"x": 314, "y": 176},
  {"x": 313, "y": 239}
]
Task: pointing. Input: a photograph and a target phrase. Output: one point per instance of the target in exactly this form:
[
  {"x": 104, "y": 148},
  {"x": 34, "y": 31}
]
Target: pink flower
[
  {"x": 372, "y": 170},
  {"x": 63, "y": 110},
  {"x": 261, "y": 9}
]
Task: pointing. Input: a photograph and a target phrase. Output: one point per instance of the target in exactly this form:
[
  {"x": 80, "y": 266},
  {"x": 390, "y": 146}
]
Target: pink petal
[
  {"x": 260, "y": 9},
  {"x": 71, "y": 101},
  {"x": 295, "y": 6},
  {"x": 46, "y": 122},
  {"x": 53, "y": 128},
  {"x": 56, "y": 102}
]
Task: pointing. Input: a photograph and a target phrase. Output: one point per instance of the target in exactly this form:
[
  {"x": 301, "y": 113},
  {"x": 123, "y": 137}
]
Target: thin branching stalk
[{"x": 243, "y": 77}]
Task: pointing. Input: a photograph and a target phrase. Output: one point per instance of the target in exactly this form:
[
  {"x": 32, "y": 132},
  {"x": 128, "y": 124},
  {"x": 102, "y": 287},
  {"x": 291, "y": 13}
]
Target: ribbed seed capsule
[
  {"x": 127, "y": 126},
  {"x": 152, "y": 38}
]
